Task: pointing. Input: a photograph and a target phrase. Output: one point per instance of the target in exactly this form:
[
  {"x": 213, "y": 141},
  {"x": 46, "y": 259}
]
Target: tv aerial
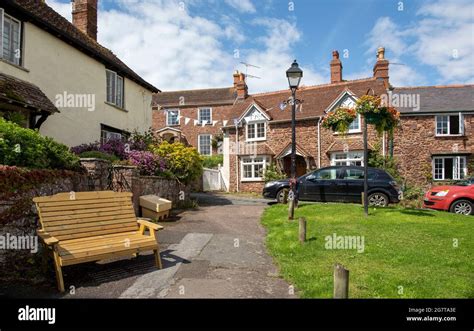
[{"x": 247, "y": 65}]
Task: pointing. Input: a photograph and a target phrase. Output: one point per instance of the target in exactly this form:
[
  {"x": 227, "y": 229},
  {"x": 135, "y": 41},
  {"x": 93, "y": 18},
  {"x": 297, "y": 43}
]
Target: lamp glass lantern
[{"x": 294, "y": 74}]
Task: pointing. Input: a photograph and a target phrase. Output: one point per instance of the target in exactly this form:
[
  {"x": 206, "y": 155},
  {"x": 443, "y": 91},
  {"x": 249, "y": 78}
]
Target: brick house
[
  {"x": 257, "y": 130},
  {"x": 44, "y": 59},
  {"x": 435, "y": 139}
]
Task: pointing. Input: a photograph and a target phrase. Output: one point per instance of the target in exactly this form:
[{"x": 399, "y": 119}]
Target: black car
[{"x": 338, "y": 184}]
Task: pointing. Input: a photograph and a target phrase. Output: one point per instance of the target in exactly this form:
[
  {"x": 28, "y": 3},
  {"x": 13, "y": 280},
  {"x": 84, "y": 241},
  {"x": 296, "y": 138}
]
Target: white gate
[{"x": 212, "y": 180}]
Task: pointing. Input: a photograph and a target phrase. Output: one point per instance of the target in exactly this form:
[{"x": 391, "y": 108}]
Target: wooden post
[
  {"x": 302, "y": 228},
  {"x": 341, "y": 282},
  {"x": 285, "y": 197},
  {"x": 291, "y": 208},
  {"x": 362, "y": 196}
]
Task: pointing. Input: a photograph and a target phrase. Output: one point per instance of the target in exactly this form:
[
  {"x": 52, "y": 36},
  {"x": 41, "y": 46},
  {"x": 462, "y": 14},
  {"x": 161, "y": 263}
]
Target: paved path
[{"x": 214, "y": 251}]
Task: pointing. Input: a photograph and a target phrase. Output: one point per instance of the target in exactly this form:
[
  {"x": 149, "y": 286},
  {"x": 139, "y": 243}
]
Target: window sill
[
  {"x": 255, "y": 140},
  {"x": 450, "y": 136},
  {"x": 14, "y": 65},
  {"x": 350, "y": 132},
  {"x": 115, "y": 106},
  {"x": 247, "y": 180}
]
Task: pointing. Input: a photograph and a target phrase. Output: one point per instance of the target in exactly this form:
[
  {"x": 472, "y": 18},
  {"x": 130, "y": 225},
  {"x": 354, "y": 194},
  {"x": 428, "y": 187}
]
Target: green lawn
[{"x": 407, "y": 253}]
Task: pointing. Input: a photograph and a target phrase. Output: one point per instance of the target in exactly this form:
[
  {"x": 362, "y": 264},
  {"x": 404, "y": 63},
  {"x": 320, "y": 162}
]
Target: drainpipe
[
  {"x": 237, "y": 158},
  {"x": 319, "y": 142}
]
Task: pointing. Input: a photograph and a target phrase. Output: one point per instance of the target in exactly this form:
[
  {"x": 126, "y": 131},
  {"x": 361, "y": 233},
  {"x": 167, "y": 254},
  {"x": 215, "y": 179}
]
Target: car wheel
[
  {"x": 281, "y": 195},
  {"x": 378, "y": 199},
  {"x": 463, "y": 207}
]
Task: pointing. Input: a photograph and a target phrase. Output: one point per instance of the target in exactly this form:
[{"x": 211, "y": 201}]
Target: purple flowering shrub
[
  {"x": 92, "y": 147},
  {"x": 116, "y": 147},
  {"x": 148, "y": 163}
]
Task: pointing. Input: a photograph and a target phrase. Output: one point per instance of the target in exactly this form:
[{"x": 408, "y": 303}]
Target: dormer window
[
  {"x": 10, "y": 41},
  {"x": 256, "y": 131}
]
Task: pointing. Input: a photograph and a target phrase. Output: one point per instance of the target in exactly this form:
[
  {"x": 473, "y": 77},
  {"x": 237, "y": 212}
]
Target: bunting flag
[
  {"x": 179, "y": 117},
  {"x": 214, "y": 123},
  {"x": 186, "y": 120},
  {"x": 224, "y": 122},
  {"x": 196, "y": 122},
  {"x": 203, "y": 123}
]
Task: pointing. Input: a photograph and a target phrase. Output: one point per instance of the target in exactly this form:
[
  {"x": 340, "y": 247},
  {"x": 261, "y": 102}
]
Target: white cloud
[
  {"x": 174, "y": 50},
  {"x": 445, "y": 40},
  {"x": 243, "y": 6},
  {"x": 277, "y": 56},
  {"x": 441, "y": 39}
]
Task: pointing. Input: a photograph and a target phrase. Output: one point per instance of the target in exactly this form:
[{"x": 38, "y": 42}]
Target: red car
[{"x": 457, "y": 199}]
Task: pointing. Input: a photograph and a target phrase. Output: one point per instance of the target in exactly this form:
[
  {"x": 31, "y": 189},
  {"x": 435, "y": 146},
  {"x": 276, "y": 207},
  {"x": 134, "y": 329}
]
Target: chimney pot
[{"x": 381, "y": 67}]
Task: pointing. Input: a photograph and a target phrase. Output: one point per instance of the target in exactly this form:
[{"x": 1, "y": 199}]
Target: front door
[{"x": 300, "y": 165}]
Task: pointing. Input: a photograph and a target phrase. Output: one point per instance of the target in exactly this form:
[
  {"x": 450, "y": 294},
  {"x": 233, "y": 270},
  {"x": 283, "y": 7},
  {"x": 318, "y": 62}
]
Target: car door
[
  {"x": 322, "y": 185},
  {"x": 353, "y": 179}
]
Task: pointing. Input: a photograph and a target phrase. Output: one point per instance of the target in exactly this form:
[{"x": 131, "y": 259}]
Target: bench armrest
[
  {"x": 149, "y": 224},
  {"x": 47, "y": 238}
]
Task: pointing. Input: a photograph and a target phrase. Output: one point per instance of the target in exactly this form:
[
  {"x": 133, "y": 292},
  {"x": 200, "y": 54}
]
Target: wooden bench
[{"x": 81, "y": 227}]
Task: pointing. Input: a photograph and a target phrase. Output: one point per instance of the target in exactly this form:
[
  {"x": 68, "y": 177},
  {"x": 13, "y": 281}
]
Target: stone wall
[{"x": 415, "y": 143}]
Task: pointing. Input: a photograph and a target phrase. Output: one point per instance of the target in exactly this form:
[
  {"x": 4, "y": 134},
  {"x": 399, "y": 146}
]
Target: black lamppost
[{"x": 294, "y": 74}]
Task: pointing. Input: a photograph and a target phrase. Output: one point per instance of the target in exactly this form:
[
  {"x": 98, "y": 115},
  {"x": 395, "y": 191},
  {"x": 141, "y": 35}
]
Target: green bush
[
  {"x": 389, "y": 164},
  {"x": 99, "y": 155},
  {"x": 273, "y": 172},
  {"x": 213, "y": 161},
  {"x": 183, "y": 163},
  {"x": 27, "y": 148}
]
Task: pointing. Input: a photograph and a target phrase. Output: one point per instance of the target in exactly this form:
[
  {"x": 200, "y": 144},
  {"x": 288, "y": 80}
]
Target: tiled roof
[
  {"x": 299, "y": 150},
  {"x": 40, "y": 14},
  {"x": 315, "y": 98},
  {"x": 16, "y": 91},
  {"x": 438, "y": 98},
  {"x": 201, "y": 97}
]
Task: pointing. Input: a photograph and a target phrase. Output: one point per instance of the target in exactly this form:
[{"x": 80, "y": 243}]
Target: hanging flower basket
[
  {"x": 383, "y": 118},
  {"x": 339, "y": 120}
]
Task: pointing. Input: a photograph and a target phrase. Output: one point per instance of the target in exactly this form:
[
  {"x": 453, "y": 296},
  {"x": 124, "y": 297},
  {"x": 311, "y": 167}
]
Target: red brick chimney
[
  {"x": 84, "y": 16},
  {"x": 240, "y": 85},
  {"x": 381, "y": 67},
  {"x": 336, "y": 68}
]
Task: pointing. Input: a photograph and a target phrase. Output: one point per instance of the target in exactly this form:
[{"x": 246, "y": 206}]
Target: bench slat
[
  {"x": 107, "y": 256},
  {"x": 94, "y": 233},
  {"x": 100, "y": 237},
  {"x": 69, "y": 253},
  {"x": 82, "y": 211},
  {"x": 85, "y": 218},
  {"x": 83, "y": 201},
  {"x": 97, "y": 205},
  {"x": 98, "y": 221}
]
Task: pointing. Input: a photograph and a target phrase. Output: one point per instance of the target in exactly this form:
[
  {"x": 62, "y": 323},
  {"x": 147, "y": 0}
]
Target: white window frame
[
  {"x": 210, "y": 144},
  {"x": 358, "y": 119},
  {"x": 456, "y": 173},
  {"x": 349, "y": 158},
  {"x": 210, "y": 115},
  {"x": 255, "y": 124},
  {"x": 461, "y": 125},
  {"x": 119, "y": 103},
  {"x": 17, "y": 60},
  {"x": 168, "y": 117},
  {"x": 244, "y": 161}
]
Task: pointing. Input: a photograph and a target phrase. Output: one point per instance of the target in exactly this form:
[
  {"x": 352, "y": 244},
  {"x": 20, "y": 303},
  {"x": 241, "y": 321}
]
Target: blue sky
[{"x": 197, "y": 44}]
